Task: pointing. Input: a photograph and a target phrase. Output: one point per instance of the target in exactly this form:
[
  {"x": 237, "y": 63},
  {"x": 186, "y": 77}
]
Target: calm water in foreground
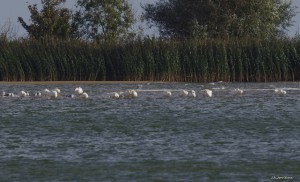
[{"x": 254, "y": 137}]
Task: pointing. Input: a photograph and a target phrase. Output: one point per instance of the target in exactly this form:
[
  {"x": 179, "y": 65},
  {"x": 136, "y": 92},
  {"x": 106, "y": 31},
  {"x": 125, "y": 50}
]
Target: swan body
[
  {"x": 167, "y": 94},
  {"x": 184, "y": 93},
  {"x": 85, "y": 95},
  {"x": 46, "y": 93},
  {"x": 115, "y": 95},
  {"x": 54, "y": 94},
  {"x": 207, "y": 93},
  {"x": 79, "y": 90},
  {"x": 280, "y": 92},
  {"x": 22, "y": 94},
  {"x": 57, "y": 90},
  {"x": 238, "y": 91},
  {"x": 132, "y": 93},
  {"x": 12, "y": 95}
]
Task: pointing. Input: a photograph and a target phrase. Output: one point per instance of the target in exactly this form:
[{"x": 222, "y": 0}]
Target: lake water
[{"x": 253, "y": 137}]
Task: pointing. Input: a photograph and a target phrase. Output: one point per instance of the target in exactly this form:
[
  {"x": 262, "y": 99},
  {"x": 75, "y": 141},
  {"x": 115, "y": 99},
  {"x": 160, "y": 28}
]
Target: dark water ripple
[{"x": 225, "y": 138}]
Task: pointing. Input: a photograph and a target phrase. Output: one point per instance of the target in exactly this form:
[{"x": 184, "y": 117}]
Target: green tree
[
  {"x": 102, "y": 20},
  {"x": 220, "y": 18},
  {"x": 52, "y": 21}
]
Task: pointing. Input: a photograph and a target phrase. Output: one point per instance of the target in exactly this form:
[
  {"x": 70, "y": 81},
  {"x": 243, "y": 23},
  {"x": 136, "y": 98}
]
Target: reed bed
[{"x": 151, "y": 60}]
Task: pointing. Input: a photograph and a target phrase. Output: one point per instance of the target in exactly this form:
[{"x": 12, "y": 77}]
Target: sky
[{"x": 10, "y": 10}]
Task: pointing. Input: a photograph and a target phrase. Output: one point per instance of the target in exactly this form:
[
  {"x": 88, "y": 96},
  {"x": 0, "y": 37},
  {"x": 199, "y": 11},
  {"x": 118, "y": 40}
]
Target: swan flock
[
  {"x": 46, "y": 93},
  {"x": 78, "y": 92}
]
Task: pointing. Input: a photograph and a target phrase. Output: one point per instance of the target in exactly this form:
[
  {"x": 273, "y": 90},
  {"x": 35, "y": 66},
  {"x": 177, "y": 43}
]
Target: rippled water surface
[{"x": 253, "y": 137}]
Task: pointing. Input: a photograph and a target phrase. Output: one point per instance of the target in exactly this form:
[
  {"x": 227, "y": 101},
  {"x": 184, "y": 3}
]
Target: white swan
[
  {"x": 8, "y": 94},
  {"x": 22, "y": 94},
  {"x": 78, "y": 90},
  {"x": 115, "y": 95},
  {"x": 46, "y": 93},
  {"x": 13, "y": 95},
  {"x": 167, "y": 94},
  {"x": 57, "y": 90},
  {"x": 238, "y": 91},
  {"x": 132, "y": 93},
  {"x": 85, "y": 95},
  {"x": 53, "y": 94},
  {"x": 193, "y": 93},
  {"x": 280, "y": 92},
  {"x": 184, "y": 93},
  {"x": 207, "y": 93}
]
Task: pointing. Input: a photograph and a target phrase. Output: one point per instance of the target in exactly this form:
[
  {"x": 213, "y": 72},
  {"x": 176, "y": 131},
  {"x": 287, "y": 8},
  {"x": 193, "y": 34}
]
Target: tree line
[
  {"x": 112, "y": 20},
  {"x": 96, "y": 20}
]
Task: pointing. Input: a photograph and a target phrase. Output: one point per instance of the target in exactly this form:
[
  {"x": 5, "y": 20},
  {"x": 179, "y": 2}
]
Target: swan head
[
  {"x": 54, "y": 94},
  {"x": 193, "y": 93}
]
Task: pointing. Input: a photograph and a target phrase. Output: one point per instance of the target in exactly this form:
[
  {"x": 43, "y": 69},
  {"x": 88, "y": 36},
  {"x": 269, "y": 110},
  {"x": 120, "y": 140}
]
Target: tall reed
[{"x": 151, "y": 60}]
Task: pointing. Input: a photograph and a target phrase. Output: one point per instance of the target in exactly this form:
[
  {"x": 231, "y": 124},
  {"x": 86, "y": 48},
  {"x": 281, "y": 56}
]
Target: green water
[{"x": 253, "y": 137}]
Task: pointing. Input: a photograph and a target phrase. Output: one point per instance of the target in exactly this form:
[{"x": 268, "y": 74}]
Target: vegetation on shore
[
  {"x": 199, "y": 42},
  {"x": 245, "y": 60}
]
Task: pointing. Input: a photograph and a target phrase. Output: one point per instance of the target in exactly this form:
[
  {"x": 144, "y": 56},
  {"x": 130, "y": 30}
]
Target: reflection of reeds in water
[{"x": 151, "y": 60}]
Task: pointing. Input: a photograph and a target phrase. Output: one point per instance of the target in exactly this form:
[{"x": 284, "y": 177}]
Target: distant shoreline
[
  {"x": 77, "y": 82},
  {"x": 112, "y": 82}
]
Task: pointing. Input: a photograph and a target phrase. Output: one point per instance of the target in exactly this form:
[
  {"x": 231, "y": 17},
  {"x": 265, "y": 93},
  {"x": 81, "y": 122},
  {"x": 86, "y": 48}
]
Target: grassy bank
[{"x": 151, "y": 60}]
